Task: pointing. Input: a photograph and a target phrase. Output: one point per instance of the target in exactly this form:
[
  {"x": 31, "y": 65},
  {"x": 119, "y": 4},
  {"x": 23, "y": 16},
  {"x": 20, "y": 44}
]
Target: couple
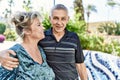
[{"x": 62, "y": 49}]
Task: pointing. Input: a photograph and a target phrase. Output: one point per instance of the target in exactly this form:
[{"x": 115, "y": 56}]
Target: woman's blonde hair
[{"x": 23, "y": 20}]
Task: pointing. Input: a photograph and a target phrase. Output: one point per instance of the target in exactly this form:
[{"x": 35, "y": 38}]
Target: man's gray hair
[{"x": 59, "y": 7}]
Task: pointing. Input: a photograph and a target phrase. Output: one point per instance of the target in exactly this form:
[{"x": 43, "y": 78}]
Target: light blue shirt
[{"x": 28, "y": 69}]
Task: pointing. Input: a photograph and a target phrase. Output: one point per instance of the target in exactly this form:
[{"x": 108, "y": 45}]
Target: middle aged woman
[{"x": 32, "y": 60}]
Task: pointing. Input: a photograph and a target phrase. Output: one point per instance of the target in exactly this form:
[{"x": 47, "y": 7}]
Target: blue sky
[{"x": 104, "y": 13}]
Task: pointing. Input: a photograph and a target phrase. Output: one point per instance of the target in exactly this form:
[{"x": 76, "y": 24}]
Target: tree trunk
[{"x": 79, "y": 9}]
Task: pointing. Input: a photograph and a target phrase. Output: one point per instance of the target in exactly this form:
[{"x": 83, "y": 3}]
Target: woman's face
[{"x": 37, "y": 30}]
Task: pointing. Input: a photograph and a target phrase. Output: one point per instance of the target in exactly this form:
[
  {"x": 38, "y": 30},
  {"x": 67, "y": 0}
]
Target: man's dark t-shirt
[{"x": 63, "y": 55}]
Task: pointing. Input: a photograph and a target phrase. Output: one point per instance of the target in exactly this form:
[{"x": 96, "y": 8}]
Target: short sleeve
[
  {"x": 79, "y": 53},
  {"x": 14, "y": 48}
]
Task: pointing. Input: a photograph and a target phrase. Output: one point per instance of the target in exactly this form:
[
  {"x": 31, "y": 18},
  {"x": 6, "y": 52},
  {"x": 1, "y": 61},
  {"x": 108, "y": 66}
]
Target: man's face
[{"x": 59, "y": 19}]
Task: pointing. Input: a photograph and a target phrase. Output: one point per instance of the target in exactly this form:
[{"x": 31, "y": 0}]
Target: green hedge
[
  {"x": 2, "y": 28},
  {"x": 10, "y": 35}
]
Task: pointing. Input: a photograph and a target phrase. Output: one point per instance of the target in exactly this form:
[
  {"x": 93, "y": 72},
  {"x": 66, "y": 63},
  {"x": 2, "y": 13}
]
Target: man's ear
[
  {"x": 49, "y": 17},
  {"x": 68, "y": 19}
]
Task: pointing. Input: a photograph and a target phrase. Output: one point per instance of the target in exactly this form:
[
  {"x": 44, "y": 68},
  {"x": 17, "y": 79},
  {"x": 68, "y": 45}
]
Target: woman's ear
[{"x": 27, "y": 31}]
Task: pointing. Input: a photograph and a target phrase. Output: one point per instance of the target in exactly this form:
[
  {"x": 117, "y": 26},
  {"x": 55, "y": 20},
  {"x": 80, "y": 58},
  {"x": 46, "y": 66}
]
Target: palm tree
[
  {"x": 78, "y": 7},
  {"x": 111, "y": 3},
  {"x": 90, "y": 8}
]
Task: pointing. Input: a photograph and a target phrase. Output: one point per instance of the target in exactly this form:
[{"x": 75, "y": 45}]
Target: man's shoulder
[{"x": 70, "y": 33}]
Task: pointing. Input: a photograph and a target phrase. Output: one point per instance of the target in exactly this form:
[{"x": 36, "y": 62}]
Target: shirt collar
[{"x": 49, "y": 32}]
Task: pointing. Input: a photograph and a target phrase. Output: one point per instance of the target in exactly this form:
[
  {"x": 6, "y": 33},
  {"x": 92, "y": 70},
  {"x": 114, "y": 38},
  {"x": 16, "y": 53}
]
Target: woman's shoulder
[{"x": 15, "y": 47}]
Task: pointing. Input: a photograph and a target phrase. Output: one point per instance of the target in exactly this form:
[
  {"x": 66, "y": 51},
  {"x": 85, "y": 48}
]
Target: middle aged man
[{"x": 62, "y": 47}]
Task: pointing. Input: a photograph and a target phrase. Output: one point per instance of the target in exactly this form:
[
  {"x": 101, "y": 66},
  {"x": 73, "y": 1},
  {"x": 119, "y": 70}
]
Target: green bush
[
  {"x": 109, "y": 28},
  {"x": 46, "y": 22},
  {"x": 115, "y": 48},
  {"x": 2, "y": 28},
  {"x": 117, "y": 30},
  {"x": 10, "y": 35},
  {"x": 92, "y": 42}
]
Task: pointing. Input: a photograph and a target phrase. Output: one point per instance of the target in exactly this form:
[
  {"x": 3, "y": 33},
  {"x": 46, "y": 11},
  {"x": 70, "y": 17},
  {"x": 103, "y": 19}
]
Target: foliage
[
  {"x": 77, "y": 26},
  {"x": 115, "y": 48},
  {"x": 46, "y": 22},
  {"x": 2, "y": 28},
  {"x": 27, "y": 5},
  {"x": 111, "y": 3},
  {"x": 10, "y": 35},
  {"x": 91, "y": 42},
  {"x": 117, "y": 29},
  {"x": 78, "y": 7},
  {"x": 109, "y": 28},
  {"x": 91, "y": 7}
]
